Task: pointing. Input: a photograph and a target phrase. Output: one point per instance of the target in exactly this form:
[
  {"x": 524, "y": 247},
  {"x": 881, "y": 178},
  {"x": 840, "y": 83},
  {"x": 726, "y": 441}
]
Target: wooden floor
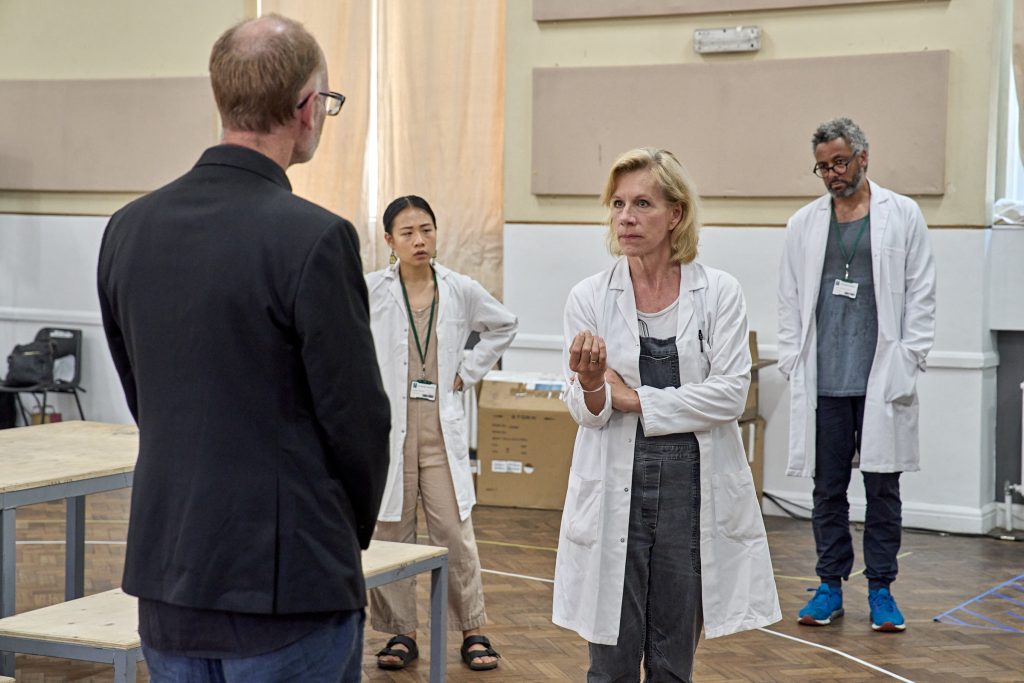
[{"x": 938, "y": 574}]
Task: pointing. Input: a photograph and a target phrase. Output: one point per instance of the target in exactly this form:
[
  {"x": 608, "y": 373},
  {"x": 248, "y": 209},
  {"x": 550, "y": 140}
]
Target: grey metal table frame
[
  {"x": 74, "y": 494},
  {"x": 438, "y": 568},
  {"x": 124, "y": 661}
]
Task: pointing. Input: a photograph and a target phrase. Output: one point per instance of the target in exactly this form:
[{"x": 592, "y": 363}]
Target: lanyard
[
  {"x": 839, "y": 238},
  {"x": 422, "y": 350}
]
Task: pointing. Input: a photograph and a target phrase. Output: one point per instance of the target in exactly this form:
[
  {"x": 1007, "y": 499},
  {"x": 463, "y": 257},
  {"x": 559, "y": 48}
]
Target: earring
[
  {"x": 392, "y": 259},
  {"x": 433, "y": 258}
]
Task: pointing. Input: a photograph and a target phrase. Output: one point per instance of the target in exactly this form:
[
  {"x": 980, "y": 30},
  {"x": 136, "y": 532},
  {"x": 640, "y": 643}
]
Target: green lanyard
[
  {"x": 839, "y": 238},
  {"x": 430, "y": 322}
]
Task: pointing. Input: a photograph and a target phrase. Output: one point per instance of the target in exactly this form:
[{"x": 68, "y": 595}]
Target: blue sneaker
[
  {"x": 826, "y": 605},
  {"x": 885, "y": 615}
]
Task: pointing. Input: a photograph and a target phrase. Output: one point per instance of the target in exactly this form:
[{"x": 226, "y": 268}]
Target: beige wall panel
[
  {"x": 560, "y": 10},
  {"x": 58, "y": 40},
  {"x": 969, "y": 30},
  {"x": 713, "y": 117},
  {"x": 125, "y": 135}
]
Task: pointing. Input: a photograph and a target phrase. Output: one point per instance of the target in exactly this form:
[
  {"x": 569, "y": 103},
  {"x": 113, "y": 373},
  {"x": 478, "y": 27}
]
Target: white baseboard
[
  {"x": 951, "y": 518},
  {"x": 15, "y": 314},
  {"x": 955, "y": 360}
]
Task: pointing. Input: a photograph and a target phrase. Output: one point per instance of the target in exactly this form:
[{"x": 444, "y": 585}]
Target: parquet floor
[{"x": 938, "y": 574}]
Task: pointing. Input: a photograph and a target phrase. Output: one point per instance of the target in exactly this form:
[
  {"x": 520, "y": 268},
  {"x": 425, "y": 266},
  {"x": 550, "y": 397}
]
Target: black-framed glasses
[
  {"x": 838, "y": 167},
  {"x": 332, "y": 101}
]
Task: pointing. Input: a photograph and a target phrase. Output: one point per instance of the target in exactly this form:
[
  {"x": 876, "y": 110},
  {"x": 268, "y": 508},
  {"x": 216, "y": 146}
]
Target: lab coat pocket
[
  {"x": 584, "y": 503},
  {"x": 901, "y": 380},
  {"x": 453, "y": 427},
  {"x": 737, "y": 515}
]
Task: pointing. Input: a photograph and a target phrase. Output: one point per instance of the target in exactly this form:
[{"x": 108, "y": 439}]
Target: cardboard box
[
  {"x": 753, "y": 443},
  {"x": 525, "y": 438}
]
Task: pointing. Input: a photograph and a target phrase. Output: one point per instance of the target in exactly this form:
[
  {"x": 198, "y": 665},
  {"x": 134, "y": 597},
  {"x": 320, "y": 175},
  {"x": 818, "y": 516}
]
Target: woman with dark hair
[{"x": 422, "y": 315}]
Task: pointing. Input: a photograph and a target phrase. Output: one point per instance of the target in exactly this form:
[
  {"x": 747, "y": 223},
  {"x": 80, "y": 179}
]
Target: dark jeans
[
  {"x": 332, "y": 654},
  {"x": 661, "y": 616},
  {"x": 838, "y": 429}
]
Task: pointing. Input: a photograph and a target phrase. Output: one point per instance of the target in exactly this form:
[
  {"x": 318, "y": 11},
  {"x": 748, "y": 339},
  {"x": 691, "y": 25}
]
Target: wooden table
[
  {"x": 104, "y": 627},
  {"x": 60, "y": 461},
  {"x": 385, "y": 562}
]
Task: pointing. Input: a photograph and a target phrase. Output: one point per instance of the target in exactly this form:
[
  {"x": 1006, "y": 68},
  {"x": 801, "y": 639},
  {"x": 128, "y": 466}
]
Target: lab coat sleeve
[
  {"x": 580, "y": 315},
  {"x": 919, "y": 305},
  {"x": 497, "y": 327},
  {"x": 719, "y": 399},
  {"x": 789, "y": 303}
]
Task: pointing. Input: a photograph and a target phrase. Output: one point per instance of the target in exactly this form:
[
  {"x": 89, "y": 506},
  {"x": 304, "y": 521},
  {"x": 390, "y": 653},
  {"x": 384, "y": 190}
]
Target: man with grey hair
[
  {"x": 856, "y": 321},
  {"x": 238, "y": 320}
]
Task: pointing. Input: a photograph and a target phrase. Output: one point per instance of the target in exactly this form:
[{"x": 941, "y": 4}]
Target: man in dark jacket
[{"x": 237, "y": 318}]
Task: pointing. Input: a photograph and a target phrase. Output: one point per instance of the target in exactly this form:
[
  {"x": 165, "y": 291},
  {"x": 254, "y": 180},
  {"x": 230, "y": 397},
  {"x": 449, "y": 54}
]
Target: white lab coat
[
  {"x": 463, "y": 306},
  {"x": 738, "y": 586},
  {"x": 904, "y": 281}
]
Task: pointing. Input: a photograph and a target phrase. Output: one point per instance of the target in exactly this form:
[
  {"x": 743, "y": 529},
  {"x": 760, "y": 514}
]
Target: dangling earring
[
  {"x": 433, "y": 258},
  {"x": 392, "y": 259}
]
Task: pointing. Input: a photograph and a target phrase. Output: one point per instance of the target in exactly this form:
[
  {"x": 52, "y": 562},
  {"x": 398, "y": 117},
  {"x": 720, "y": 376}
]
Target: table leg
[
  {"x": 74, "y": 551},
  {"x": 438, "y": 621},
  {"x": 125, "y": 666},
  {"x": 8, "y": 574}
]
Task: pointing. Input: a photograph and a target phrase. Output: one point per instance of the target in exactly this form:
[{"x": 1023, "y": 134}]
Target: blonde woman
[
  {"x": 422, "y": 315},
  {"x": 661, "y": 532}
]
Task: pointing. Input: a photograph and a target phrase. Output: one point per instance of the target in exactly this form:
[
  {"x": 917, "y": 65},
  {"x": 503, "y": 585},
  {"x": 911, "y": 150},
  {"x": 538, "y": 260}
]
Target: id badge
[
  {"x": 423, "y": 390},
  {"x": 845, "y": 288}
]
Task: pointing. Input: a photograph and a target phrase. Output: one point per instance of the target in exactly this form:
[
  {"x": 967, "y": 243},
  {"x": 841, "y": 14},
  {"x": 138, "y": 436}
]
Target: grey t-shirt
[{"x": 847, "y": 328}]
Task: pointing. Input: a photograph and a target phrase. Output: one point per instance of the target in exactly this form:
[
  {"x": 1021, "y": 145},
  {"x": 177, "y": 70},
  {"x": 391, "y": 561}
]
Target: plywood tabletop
[
  {"x": 62, "y": 452},
  {"x": 109, "y": 619},
  {"x": 385, "y": 556}
]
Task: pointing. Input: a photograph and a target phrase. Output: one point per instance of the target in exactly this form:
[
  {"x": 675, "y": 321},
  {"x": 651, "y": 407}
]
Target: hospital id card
[
  {"x": 845, "y": 288},
  {"x": 423, "y": 390}
]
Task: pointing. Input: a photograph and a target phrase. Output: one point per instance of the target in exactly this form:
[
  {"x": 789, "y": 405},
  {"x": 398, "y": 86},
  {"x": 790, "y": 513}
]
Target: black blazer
[{"x": 237, "y": 318}]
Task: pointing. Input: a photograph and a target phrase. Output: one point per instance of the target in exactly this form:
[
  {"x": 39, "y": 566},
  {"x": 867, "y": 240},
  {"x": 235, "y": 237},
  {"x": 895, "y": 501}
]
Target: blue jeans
[
  {"x": 838, "y": 435},
  {"x": 662, "y": 615},
  {"x": 332, "y": 654}
]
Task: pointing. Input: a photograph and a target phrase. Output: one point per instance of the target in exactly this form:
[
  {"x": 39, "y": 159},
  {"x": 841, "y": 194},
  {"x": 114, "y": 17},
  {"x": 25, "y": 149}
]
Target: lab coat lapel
[
  {"x": 817, "y": 240},
  {"x": 625, "y": 299},
  {"x": 395, "y": 286},
  {"x": 880, "y": 211},
  {"x": 691, "y": 280}
]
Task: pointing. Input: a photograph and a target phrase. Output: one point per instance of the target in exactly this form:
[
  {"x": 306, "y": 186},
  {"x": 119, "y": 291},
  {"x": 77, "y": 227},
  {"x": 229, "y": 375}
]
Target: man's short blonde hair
[
  {"x": 258, "y": 69},
  {"x": 676, "y": 187}
]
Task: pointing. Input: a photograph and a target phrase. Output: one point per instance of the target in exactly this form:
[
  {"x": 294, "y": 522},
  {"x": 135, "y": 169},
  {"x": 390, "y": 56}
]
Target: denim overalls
[{"x": 661, "y": 600}]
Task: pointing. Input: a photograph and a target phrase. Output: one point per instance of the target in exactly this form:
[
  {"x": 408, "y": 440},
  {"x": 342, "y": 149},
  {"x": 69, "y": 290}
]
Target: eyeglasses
[
  {"x": 332, "y": 101},
  {"x": 838, "y": 167}
]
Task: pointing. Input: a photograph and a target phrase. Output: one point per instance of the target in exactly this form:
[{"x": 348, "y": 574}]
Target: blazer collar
[{"x": 246, "y": 159}]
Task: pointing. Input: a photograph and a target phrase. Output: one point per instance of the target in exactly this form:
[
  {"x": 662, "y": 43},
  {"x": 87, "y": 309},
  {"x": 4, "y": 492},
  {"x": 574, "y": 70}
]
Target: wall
[
  {"x": 971, "y": 31},
  {"x": 49, "y": 241},
  {"x": 557, "y": 241}
]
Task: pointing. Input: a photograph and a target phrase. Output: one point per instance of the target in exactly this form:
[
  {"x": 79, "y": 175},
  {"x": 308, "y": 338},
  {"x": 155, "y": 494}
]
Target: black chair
[{"x": 67, "y": 344}]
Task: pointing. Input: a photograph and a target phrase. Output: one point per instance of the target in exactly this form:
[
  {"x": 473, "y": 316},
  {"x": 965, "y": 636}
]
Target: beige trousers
[{"x": 393, "y": 607}]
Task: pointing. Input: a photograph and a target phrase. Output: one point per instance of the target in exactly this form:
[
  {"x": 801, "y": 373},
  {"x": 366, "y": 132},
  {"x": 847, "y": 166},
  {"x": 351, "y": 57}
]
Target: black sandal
[
  {"x": 406, "y": 657},
  {"x": 470, "y": 657}
]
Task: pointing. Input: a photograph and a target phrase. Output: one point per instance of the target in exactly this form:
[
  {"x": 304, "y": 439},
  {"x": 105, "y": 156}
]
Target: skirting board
[
  {"x": 14, "y": 314},
  {"x": 951, "y": 518},
  {"x": 958, "y": 360}
]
